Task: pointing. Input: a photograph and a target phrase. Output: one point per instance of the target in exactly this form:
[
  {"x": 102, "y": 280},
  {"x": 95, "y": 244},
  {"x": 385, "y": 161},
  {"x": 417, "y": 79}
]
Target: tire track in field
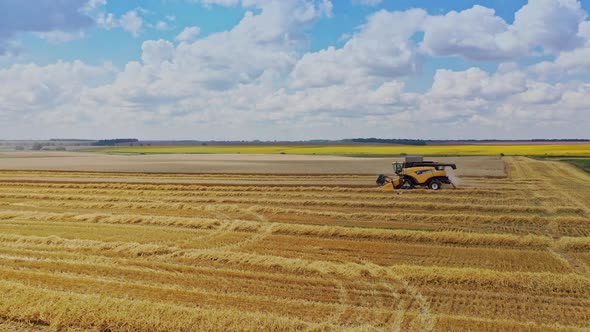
[
  {"x": 261, "y": 233},
  {"x": 398, "y": 290},
  {"x": 344, "y": 304},
  {"x": 425, "y": 317},
  {"x": 399, "y": 312}
]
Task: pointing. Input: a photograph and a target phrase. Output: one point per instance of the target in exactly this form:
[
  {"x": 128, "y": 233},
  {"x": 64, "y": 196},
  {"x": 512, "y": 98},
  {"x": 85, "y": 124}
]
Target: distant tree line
[
  {"x": 562, "y": 140},
  {"x": 116, "y": 141},
  {"x": 509, "y": 140},
  {"x": 401, "y": 141}
]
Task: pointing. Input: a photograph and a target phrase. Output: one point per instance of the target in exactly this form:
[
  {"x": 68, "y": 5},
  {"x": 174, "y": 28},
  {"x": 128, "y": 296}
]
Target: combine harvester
[{"x": 415, "y": 172}]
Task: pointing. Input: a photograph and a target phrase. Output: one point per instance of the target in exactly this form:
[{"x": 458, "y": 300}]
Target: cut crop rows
[{"x": 163, "y": 252}]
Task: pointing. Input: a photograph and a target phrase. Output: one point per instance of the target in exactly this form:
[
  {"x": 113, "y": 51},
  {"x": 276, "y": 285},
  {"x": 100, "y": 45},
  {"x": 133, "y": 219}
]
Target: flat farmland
[
  {"x": 304, "y": 249},
  {"x": 539, "y": 149},
  {"x": 222, "y": 165}
]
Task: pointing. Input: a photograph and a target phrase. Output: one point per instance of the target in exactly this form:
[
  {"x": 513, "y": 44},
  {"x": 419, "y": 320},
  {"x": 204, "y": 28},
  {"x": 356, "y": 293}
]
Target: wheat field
[{"x": 89, "y": 251}]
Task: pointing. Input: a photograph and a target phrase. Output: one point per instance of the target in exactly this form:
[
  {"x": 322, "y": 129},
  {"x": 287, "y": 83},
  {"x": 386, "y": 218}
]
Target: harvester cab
[{"x": 416, "y": 172}]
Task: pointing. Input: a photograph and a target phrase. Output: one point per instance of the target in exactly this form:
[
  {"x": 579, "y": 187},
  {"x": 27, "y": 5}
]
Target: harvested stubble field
[{"x": 163, "y": 252}]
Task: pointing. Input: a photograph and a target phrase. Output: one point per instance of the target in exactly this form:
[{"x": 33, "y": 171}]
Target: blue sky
[
  {"x": 295, "y": 69},
  {"x": 121, "y": 47}
]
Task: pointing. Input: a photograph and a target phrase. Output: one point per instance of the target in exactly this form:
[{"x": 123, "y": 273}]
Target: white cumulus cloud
[
  {"x": 189, "y": 34},
  {"x": 64, "y": 17},
  {"x": 479, "y": 34},
  {"x": 258, "y": 79},
  {"x": 367, "y": 2},
  {"x": 381, "y": 49},
  {"x": 132, "y": 22}
]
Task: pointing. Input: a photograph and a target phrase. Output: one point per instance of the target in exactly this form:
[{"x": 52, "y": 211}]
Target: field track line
[
  {"x": 426, "y": 317},
  {"x": 398, "y": 317},
  {"x": 344, "y": 303}
]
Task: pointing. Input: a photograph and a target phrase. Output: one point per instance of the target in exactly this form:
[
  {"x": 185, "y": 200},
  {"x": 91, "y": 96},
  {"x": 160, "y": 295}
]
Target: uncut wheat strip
[
  {"x": 207, "y": 280},
  {"x": 161, "y": 195},
  {"x": 187, "y": 222},
  {"x": 64, "y": 310},
  {"x": 273, "y": 281},
  {"x": 574, "y": 244},
  {"x": 397, "y": 216},
  {"x": 407, "y": 195},
  {"x": 307, "y": 310},
  {"x": 573, "y": 231},
  {"x": 396, "y": 253},
  {"x": 282, "y": 214},
  {"x": 433, "y": 217},
  {"x": 439, "y": 238},
  {"x": 311, "y": 296},
  {"x": 412, "y": 254},
  {"x": 295, "y": 308},
  {"x": 441, "y": 206},
  {"x": 105, "y": 248},
  {"x": 124, "y": 218},
  {"x": 135, "y": 203},
  {"x": 43, "y": 193},
  {"x": 333, "y": 232},
  {"x": 485, "y": 278},
  {"x": 364, "y": 202},
  {"x": 128, "y": 248},
  {"x": 88, "y": 206},
  {"x": 424, "y": 204},
  {"x": 120, "y": 232},
  {"x": 500, "y": 224},
  {"x": 362, "y": 311},
  {"x": 467, "y": 227},
  {"x": 240, "y": 190},
  {"x": 149, "y": 265},
  {"x": 562, "y": 221},
  {"x": 536, "y": 283},
  {"x": 255, "y": 188},
  {"x": 229, "y": 234},
  {"x": 210, "y": 224},
  {"x": 128, "y": 239},
  {"x": 403, "y": 238}
]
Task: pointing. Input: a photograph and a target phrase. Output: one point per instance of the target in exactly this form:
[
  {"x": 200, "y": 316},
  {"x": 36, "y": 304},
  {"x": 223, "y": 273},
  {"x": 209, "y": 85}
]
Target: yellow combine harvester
[{"x": 416, "y": 172}]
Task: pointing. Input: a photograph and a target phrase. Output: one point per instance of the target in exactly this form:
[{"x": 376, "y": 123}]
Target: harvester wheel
[
  {"x": 435, "y": 184},
  {"x": 406, "y": 184}
]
